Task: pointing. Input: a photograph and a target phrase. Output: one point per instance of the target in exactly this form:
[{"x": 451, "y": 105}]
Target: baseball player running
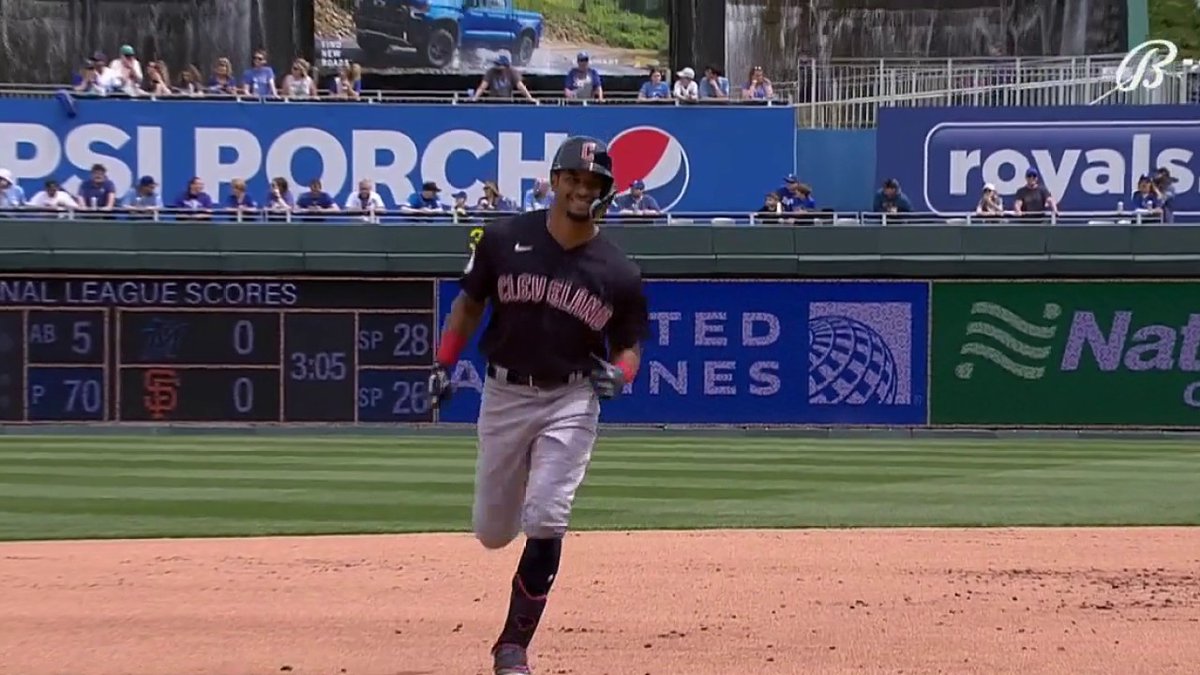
[{"x": 568, "y": 316}]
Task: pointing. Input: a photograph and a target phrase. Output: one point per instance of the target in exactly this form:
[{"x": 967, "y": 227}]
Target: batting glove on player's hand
[
  {"x": 440, "y": 388},
  {"x": 607, "y": 379}
]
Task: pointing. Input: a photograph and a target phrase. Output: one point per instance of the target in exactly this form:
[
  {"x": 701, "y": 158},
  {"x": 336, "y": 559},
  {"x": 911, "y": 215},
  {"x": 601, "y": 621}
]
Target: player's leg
[
  {"x": 508, "y": 421},
  {"x": 558, "y": 464}
]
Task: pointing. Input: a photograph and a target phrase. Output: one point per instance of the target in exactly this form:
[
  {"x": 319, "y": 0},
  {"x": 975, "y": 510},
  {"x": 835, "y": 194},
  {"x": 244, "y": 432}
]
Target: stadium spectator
[
  {"x": 53, "y": 198},
  {"x": 239, "y": 200},
  {"x": 1166, "y": 189},
  {"x": 501, "y": 81},
  {"x": 259, "y": 79},
  {"x": 157, "y": 82},
  {"x": 88, "y": 79},
  {"x": 771, "y": 212},
  {"x": 127, "y": 67},
  {"x": 714, "y": 85},
  {"x": 1146, "y": 200},
  {"x": 758, "y": 87},
  {"x": 222, "y": 81},
  {"x": 636, "y": 201},
  {"x": 366, "y": 201},
  {"x": 195, "y": 200},
  {"x": 425, "y": 201},
  {"x": 583, "y": 81},
  {"x": 348, "y": 83},
  {"x": 460, "y": 207},
  {"x": 891, "y": 199},
  {"x": 1033, "y": 199},
  {"x": 99, "y": 192},
  {"x": 990, "y": 203},
  {"x": 144, "y": 197},
  {"x": 280, "y": 197},
  {"x": 796, "y": 197},
  {"x": 109, "y": 78},
  {"x": 654, "y": 89},
  {"x": 499, "y": 202},
  {"x": 191, "y": 82},
  {"x": 537, "y": 197},
  {"x": 11, "y": 194},
  {"x": 299, "y": 83},
  {"x": 316, "y": 200},
  {"x": 685, "y": 86}
]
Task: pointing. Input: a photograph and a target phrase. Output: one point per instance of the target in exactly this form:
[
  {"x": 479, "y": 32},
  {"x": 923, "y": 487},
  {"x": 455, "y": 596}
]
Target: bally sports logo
[
  {"x": 654, "y": 157},
  {"x": 1086, "y": 165}
]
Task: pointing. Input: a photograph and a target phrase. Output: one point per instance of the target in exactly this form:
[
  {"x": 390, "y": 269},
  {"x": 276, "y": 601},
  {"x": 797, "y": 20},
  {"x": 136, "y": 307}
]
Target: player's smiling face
[{"x": 575, "y": 191}]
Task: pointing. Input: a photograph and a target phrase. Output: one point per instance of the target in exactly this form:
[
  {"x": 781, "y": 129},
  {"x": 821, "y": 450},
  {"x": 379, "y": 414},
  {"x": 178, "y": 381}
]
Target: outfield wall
[{"x": 287, "y": 349}]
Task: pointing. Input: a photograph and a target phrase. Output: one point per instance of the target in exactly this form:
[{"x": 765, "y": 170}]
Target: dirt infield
[{"x": 1071, "y": 601}]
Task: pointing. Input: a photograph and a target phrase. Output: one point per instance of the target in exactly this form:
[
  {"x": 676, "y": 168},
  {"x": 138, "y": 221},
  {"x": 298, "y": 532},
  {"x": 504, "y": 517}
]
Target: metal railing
[
  {"x": 783, "y": 97},
  {"x": 478, "y": 218},
  {"x": 847, "y": 93}
]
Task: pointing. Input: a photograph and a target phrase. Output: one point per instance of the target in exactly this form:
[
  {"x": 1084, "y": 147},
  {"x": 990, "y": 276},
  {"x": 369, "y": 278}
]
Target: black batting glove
[
  {"x": 440, "y": 387},
  {"x": 607, "y": 379}
]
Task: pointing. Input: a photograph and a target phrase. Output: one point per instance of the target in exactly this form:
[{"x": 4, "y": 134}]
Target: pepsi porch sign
[
  {"x": 762, "y": 352},
  {"x": 1089, "y": 157},
  {"x": 684, "y": 155}
]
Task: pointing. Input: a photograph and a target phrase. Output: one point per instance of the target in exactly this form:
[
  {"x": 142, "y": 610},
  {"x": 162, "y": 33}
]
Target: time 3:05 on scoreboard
[{"x": 221, "y": 349}]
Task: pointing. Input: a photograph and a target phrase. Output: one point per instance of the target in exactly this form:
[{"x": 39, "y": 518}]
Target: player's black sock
[{"x": 530, "y": 586}]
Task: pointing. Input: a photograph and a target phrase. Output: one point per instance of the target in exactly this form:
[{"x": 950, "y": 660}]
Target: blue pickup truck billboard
[
  {"x": 399, "y": 147},
  {"x": 1090, "y": 158},
  {"x": 762, "y": 352},
  {"x": 670, "y": 149}
]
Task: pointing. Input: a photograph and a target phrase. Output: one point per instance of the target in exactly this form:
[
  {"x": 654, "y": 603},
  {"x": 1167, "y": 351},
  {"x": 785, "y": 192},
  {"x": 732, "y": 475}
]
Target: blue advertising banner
[
  {"x": 762, "y": 352},
  {"x": 1089, "y": 157},
  {"x": 671, "y": 149}
]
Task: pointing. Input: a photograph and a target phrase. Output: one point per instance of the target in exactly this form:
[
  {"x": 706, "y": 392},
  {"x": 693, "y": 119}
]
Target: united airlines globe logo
[{"x": 849, "y": 362}]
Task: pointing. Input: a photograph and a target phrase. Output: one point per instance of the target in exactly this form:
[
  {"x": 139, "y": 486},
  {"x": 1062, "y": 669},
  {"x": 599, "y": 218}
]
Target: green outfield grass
[{"x": 54, "y": 487}]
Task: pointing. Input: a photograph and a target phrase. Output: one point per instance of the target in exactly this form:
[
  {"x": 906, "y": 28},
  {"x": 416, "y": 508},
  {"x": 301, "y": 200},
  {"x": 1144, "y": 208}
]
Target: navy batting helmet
[{"x": 584, "y": 153}]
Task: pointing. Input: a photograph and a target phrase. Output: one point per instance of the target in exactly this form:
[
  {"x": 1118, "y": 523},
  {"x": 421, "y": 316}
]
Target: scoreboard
[{"x": 101, "y": 348}]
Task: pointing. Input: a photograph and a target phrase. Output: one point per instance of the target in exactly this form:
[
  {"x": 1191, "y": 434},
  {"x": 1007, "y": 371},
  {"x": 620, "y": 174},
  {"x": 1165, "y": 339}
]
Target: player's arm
[
  {"x": 627, "y": 329},
  {"x": 478, "y": 283}
]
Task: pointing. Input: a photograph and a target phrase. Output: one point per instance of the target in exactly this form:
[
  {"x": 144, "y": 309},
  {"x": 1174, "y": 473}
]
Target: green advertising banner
[{"x": 1066, "y": 353}]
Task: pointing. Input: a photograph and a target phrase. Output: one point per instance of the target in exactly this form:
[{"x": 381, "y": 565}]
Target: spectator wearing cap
[
  {"x": 460, "y": 207},
  {"x": 144, "y": 197},
  {"x": 1146, "y": 200},
  {"x": 654, "y": 89},
  {"x": 686, "y": 88},
  {"x": 990, "y": 203},
  {"x": 425, "y": 201},
  {"x": 583, "y": 81},
  {"x": 538, "y": 197},
  {"x": 636, "y": 201},
  {"x": 98, "y": 193},
  {"x": 1166, "y": 190},
  {"x": 88, "y": 79},
  {"x": 127, "y": 66},
  {"x": 1033, "y": 199},
  {"x": 890, "y": 199},
  {"x": 195, "y": 201},
  {"x": 108, "y": 78},
  {"x": 796, "y": 197},
  {"x": 502, "y": 81},
  {"x": 366, "y": 202},
  {"x": 11, "y": 194},
  {"x": 758, "y": 87},
  {"x": 714, "y": 85},
  {"x": 259, "y": 78},
  {"x": 53, "y": 198}
]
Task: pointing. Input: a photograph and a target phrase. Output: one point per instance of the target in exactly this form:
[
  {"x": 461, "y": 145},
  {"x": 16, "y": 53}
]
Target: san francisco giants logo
[
  {"x": 162, "y": 392},
  {"x": 588, "y": 150}
]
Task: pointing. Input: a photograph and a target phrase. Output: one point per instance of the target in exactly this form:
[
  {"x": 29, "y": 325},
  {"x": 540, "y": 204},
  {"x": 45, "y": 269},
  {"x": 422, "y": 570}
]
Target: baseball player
[{"x": 568, "y": 316}]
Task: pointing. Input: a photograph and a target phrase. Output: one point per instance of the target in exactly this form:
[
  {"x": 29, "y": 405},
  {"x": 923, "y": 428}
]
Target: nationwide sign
[{"x": 1089, "y": 158}]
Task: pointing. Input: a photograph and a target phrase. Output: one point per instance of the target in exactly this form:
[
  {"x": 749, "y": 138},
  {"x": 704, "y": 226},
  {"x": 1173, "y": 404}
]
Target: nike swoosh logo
[{"x": 522, "y": 249}]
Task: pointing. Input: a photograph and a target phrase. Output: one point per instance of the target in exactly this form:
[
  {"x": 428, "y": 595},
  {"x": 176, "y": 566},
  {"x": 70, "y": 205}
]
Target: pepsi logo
[{"x": 654, "y": 157}]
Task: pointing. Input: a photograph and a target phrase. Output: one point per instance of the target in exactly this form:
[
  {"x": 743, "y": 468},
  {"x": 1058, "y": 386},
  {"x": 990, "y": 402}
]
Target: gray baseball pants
[{"x": 534, "y": 449}]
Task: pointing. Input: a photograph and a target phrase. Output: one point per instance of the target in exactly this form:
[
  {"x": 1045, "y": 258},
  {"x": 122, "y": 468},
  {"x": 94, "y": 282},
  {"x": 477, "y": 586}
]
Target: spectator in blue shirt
[
  {"x": 655, "y": 88},
  {"x": 11, "y": 194},
  {"x": 280, "y": 197},
  {"x": 99, "y": 192},
  {"x": 240, "y": 202},
  {"x": 1165, "y": 184},
  {"x": 144, "y": 197},
  {"x": 259, "y": 79},
  {"x": 1146, "y": 198},
  {"x": 583, "y": 81},
  {"x": 195, "y": 200},
  {"x": 222, "y": 81},
  {"x": 795, "y": 196},
  {"x": 758, "y": 87},
  {"x": 714, "y": 84},
  {"x": 491, "y": 192},
  {"x": 636, "y": 201},
  {"x": 891, "y": 199},
  {"x": 315, "y": 201},
  {"x": 425, "y": 201},
  {"x": 538, "y": 197}
]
